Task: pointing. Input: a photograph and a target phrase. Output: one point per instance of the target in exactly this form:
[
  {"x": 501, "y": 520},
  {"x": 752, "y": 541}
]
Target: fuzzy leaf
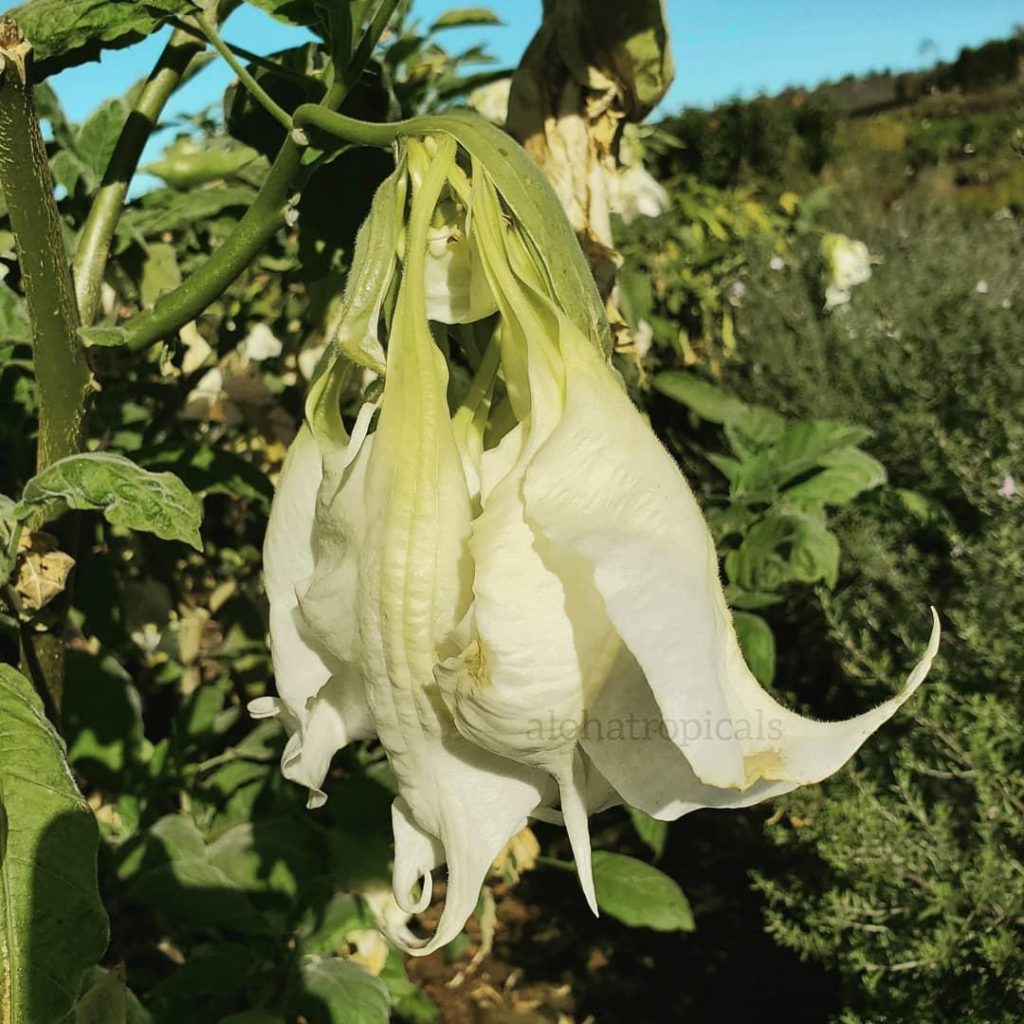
[
  {"x": 64, "y": 33},
  {"x": 126, "y": 494}
]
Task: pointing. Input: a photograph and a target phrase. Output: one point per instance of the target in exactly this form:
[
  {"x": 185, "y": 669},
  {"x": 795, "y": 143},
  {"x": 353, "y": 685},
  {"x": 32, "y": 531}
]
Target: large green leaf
[
  {"x": 639, "y": 895},
  {"x": 336, "y": 991},
  {"x": 64, "y": 33},
  {"x": 170, "y": 870},
  {"x": 168, "y": 210},
  {"x": 52, "y": 924},
  {"x": 800, "y": 448},
  {"x": 846, "y": 473},
  {"x": 126, "y": 494}
]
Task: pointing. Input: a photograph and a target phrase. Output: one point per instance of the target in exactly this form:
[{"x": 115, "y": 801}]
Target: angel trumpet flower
[{"x": 508, "y": 582}]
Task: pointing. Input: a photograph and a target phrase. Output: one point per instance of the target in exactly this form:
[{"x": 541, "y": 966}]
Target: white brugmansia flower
[
  {"x": 848, "y": 264},
  {"x": 515, "y": 589}
]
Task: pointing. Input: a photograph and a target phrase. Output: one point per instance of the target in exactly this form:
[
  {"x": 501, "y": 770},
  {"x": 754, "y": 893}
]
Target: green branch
[
  {"x": 61, "y": 369},
  {"x": 267, "y": 213},
  {"x": 95, "y": 239},
  {"x": 348, "y": 129},
  {"x": 256, "y": 90}
]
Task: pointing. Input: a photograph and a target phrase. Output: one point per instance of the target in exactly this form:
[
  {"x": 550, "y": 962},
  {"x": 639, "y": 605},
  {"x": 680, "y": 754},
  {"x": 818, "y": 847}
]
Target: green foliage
[
  {"x": 64, "y": 33},
  {"x": 772, "y": 525},
  {"x": 53, "y": 924},
  {"x": 158, "y": 503},
  {"x": 638, "y": 894},
  {"x": 912, "y": 884}
]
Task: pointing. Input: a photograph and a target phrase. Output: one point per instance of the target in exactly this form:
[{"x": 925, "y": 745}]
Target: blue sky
[{"x": 723, "y": 48}]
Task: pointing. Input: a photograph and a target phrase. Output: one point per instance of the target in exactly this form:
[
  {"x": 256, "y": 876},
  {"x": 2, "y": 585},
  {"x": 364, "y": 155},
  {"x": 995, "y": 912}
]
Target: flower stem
[
  {"x": 93, "y": 250},
  {"x": 259, "y": 222},
  {"x": 256, "y": 90}
]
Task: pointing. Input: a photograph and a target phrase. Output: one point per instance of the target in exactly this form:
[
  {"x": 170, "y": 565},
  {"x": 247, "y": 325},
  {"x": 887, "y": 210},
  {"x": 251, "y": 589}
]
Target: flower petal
[
  {"x": 322, "y": 702},
  {"x": 627, "y": 509}
]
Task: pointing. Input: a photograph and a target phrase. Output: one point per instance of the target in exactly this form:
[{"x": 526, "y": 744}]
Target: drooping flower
[{"x": 508, "y": 582}]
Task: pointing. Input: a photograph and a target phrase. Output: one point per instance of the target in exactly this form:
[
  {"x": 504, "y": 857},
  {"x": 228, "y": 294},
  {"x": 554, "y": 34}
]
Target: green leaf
[
  {"x": 408, "y": 1003},
  {"x": 172, "y": 873},
  {"x": 64, "y": 33},
  {"x": 273, "y": 858},
  {"x": 750, "y": 600},
  {"x": 160, "y": 272},
  {"x": 847, "y": 473},
  {"x": 52, "y": 924},
  {"x": 758, "y": 645},
  {"x": 14, "y": 322},
  {"x": 185, "y": 165},
  {"x": 755, "y": 424},
  {"x": 336, "y": 991},
  {"x": 170, "y": 210},
  {"x": 127, "y": 495},
  {"x": 294, "y": 12},
  {"x": 814, "y": 554},
  {"x": 325, "y": 925},
  {"x": 800, "y": 448},
  {"x": 707, "y": 401},
  {"x": 104, "y": 1002},
  {"x": 466, "y": 16},
  {"x": 639, "y": 895},
  {"x": 650, "y": 830},
  {"x": 95, "y": 140}
]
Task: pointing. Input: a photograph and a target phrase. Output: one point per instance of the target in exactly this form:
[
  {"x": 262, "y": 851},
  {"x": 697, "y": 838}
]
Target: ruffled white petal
[
  {"x": 321, "y": 698},
  {"x": 627, "y": 510}
]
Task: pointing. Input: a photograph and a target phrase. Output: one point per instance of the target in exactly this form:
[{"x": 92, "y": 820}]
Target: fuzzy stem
[
  {"x": 256, "y": 90},
  {"x": 62, "y": 372}
]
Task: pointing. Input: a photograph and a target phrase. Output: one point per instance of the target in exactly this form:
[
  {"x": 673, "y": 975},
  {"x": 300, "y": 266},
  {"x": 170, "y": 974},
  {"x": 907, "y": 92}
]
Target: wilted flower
[
  {"x": 509, "y": 583},
  {"x": 491, "y": 100},
  {"x": 848, "y": 264}
]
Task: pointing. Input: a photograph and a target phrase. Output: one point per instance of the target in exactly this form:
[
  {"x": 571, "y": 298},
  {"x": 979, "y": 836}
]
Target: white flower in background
[
  {"x": 1009, "y": 487},
  {"x": 981, "y": 287},
  {"x": 518, "y": 594},
  {"x": 260, "y": 343},
  {"x": 636, "y": 193},
  {"x": 491, "y": 101},
  {"x": 848, "y": 264},
  {"x": 776, "y": 263},
  {"x": 643, "y": 338}
]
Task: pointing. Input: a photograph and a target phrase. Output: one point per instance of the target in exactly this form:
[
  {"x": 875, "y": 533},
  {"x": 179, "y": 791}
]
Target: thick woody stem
[{"x": 62, "y": 373}]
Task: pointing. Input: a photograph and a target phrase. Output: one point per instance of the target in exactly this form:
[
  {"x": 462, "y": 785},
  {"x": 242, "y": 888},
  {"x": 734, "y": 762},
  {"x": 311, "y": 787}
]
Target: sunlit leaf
[
  {"x": 52, "y": 924},
  {"x": 126, "y": 494}
]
